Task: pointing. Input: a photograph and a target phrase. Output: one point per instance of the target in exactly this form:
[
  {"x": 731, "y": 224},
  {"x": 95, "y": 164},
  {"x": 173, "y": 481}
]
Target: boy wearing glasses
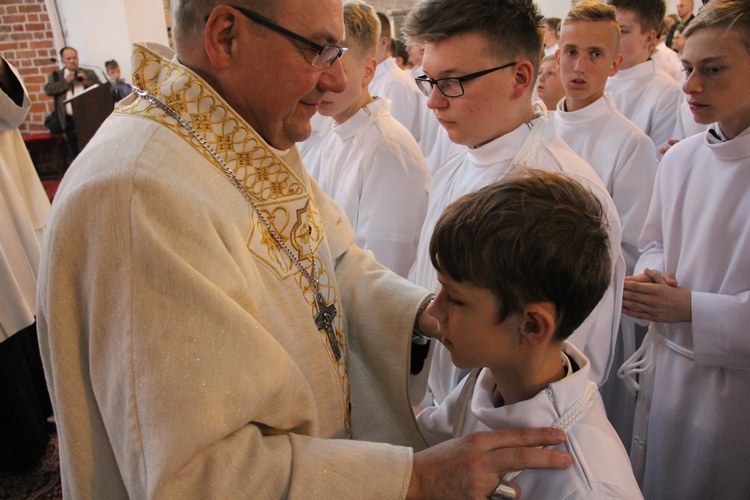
[
  {"x": 693, "y": 425},
  {"x": 480, "y": 63},
  {"x": 521, "y": 264},
  {"x": 367, "y": 161}
]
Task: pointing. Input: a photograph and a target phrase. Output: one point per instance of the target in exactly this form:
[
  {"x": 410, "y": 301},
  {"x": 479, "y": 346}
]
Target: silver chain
[{"x": 236, "y": 182}]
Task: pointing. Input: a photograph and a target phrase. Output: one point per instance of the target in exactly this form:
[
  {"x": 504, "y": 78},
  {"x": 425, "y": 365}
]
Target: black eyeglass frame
[
  {"x": 320, "y": 49},
  {"x": 459, "y": 79}
]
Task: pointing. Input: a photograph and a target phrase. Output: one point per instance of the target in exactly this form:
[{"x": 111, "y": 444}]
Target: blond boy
[{"x": 693, "y": 428}]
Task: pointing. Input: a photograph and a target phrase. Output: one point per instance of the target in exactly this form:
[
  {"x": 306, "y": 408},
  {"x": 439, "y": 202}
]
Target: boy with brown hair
[
  {"x": 645, "y": 95},
  {"x": 693, "y": 422},
  {"x": 481, "y": 59},
  {"x": 521, "y": 264}
]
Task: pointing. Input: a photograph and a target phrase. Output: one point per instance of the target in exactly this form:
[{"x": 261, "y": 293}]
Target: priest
[{"x": 208, "y": 327}]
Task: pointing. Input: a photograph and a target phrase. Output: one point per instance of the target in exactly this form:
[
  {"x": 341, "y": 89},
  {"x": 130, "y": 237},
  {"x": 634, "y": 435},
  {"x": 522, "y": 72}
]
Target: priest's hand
[
  {"x": 654, "y": 296},
  {"x": 471, "y": 466}
]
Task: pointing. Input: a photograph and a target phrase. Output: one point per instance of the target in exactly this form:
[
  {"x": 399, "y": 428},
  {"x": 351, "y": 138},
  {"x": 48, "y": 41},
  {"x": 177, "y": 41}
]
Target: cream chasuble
[{"x": 179, "y": 339}]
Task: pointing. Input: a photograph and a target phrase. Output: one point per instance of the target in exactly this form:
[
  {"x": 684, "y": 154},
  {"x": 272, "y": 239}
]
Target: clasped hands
[{"x": 654, "y": 296}]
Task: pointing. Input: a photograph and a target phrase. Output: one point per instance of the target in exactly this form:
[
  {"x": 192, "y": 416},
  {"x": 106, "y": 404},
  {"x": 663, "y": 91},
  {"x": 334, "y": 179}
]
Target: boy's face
[
  {"x": 113, "y": 73},
  {"x": 469, "y": 327},
  {"x": 473, "y": 118},
  {"x": 635, "y": 45},
  {"x": 588, "y": 56},
  {"x": 718, "y": 71},
  {"x": 548, "y": 86},
  {"x": 343, "y": 105}
]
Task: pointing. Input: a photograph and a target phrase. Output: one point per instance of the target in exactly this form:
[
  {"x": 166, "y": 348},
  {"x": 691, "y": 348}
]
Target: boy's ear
[
  {"x": 370, "y": 66},
  {"x": 538, "y": 323},
  {"x": 615, "y": 65},
  {"x": 524, "y": 78},
  {"x": 220, "y": 36}
]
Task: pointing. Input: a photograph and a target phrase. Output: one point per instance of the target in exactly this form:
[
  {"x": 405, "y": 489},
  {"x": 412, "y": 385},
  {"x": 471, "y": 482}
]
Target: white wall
[{"x": 103, "y": 30}]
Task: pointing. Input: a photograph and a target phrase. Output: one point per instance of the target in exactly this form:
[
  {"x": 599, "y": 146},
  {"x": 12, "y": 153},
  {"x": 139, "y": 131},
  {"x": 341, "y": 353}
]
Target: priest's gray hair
[
  {"x": 190, "y": 16},
  {"x": 723, "y": 14}
]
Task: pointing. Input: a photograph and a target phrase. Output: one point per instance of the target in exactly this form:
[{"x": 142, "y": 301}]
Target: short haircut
[
  {"x": 534, "y": 237},
  {"x": 728, "y": 15},
  {"x": 362, "y": 28},
  {"x": 549, "y": 58},
  {"x": 67, "y": 48},
  {"x": 512, "y": 27},
  {"x": 190, "y": 16},
  {"x": 385, "y": 26},
  {"x": 552, "y": 23},
  {"x": 398, "y": 49},
  {"x": 648, "y": 13},
  {"x": 111, "y": 64},
  {"x": 595, "y": 11}
]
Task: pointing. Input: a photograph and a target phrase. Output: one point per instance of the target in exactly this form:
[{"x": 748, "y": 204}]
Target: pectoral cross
[{"x": 324, "y": 322}]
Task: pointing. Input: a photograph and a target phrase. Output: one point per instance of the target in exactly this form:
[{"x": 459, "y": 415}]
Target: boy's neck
[
  {"x": 524, "y": 116},
  {"x": 529, "y": 376},
  {"x": 578, "y": 104}
]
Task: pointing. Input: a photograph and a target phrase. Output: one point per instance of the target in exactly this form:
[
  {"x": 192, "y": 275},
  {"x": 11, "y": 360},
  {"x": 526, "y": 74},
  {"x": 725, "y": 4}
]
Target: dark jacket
[{"x": 58, "y": 88}]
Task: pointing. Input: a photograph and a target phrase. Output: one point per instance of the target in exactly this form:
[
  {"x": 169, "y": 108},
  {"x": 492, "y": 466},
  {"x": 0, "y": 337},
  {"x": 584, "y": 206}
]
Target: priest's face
[
  {"x": 717, "y": 66},
  {"x": 474, "y": 118},
  {"x": 274, "y": 86},
  {"x": 469, "y": 327},
  {"x": 588, "y": 56}
]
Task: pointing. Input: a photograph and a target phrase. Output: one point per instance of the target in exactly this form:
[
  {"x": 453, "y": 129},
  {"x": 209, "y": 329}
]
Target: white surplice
[
  {"x": 372, "y": 166},
  {"x": 24, "y": 210},
  {"x": 668, "y": 61},
  {"x": 621, "y": 154},
  {"x": 600, "y": 469},
  {"x": 697, "y": 431},
  {"x": 406, "y": 100},
  {"x": 649, "y": 98},
  {"x": 473, "y": 169},
  {"x": 178, "y": 339}
]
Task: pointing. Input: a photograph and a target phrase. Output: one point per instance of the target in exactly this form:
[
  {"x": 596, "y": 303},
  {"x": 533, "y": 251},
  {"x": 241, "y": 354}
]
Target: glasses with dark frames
[
  {"x": 452, "y": 86},
  {"x": 327, "y": 53}
]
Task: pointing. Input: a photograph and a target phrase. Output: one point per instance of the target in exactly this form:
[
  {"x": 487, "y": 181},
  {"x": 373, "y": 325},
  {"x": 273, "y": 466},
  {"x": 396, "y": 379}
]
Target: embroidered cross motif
[
  {"x": 324, "y": 322},
  {"x": 176, "y": 102},
  {"x": 224, "y": 143},
  {"x": 201, "y": 122}
]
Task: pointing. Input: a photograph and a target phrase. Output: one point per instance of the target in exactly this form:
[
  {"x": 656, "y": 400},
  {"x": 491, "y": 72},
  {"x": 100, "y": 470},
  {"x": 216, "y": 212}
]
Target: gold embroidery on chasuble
[{"x": 279, "y": 194}]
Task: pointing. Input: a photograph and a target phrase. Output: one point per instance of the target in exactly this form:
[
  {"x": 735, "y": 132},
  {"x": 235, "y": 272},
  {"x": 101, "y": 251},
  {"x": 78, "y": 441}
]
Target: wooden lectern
[{"x": 90, "y": 108}]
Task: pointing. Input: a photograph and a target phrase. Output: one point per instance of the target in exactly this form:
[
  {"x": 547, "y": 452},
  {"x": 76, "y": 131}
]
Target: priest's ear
[
  {"x": 221, "y": 35},
  {"x": 538, "y": 324}
]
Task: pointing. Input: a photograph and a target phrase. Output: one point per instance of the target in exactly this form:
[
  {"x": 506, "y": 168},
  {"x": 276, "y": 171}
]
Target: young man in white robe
[
  {"x": 208, "y": 327},
  {"x": 481, "y": 60},
  {"x": 645, "y": 95},
  {"x": 693, "y": 283},
  {"x": 548, "y": 86},
  {"x": 368, "y": 162},
  {"x": 521, "y": 264},
  {"x": 397, "y": 85},
  {"x": 623, "y": 156}
]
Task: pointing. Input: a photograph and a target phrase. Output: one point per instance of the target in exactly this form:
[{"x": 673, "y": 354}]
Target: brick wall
[{"x": 26, "y": 41}]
